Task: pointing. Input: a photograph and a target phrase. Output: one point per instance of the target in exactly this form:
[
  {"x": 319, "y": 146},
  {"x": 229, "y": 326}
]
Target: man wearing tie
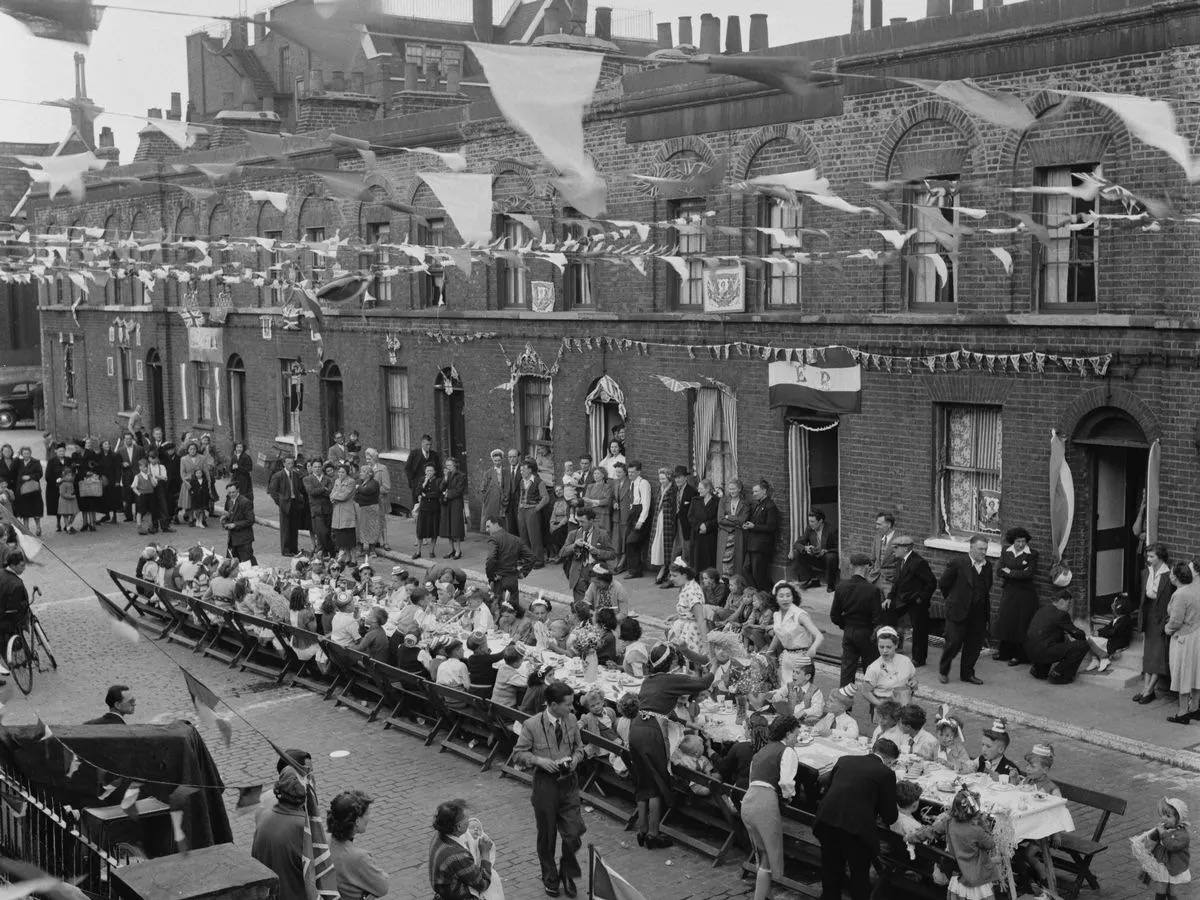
[
  {"x": 552, "y": 745},
  {"x": 414, "y": 468},
  {"x": 130, "y": 453},
  {"x": 883, "y": 554},
  {"x": 640, "y": 501},
  {"x": 286, "y": 489},
  {"x": 966, "y": 584},
  {"x": 585, "y": 546},
  {"x": 910, "y": 595},
  {"x": 512, "y": 489}
]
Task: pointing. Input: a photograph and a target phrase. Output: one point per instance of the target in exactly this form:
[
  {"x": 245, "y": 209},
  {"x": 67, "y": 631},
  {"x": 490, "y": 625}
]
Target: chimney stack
[
  {"x": 481, "y": 18},
  {"x": 604, "y": 23},
  {"x": 575, "y": 19},
  {"x": 710, "y": 34},
  {"x": 733, "y": 35},
  {"x": 154, "y": 113},
  {"x": 107, "y": 150},
  {"x": 260, "y": 27},
  {"x": 81, "y": 122},
  {"x": 962, "y": 6},
  {"x": 665, "y": 40},
  {"x": 857, "y": 12},
  {"x": 935, "y": 8},
  {"x": 876, "y": 13},
  {"x": 176, "y": 112},
  {"x": 238, "y": 33},
  {"x": 106, "y": 137},
  {"x": 685, "y": 31},
  {"x": 758, "y": 32}
]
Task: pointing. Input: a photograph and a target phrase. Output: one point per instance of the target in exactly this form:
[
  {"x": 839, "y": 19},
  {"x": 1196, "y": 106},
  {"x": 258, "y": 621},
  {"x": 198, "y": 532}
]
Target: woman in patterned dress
[{"x": 689, "y": 631}]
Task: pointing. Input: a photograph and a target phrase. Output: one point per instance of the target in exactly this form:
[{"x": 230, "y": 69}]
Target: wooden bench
[
  {"x": 411, "y": 712},
  {"x": 510, "y": 719},
  {"x": 261, "y": 655},
  {"x": 471, "y": 723},
  {"x": 302, "y": 670},
  {"x": 801, "y": 850},
  {"x": 224, "y": 640},
  {"x": 184, "y": 629},
  {"x": 137, "y": 593},
  {"x": 901, "y": 875},
  {"x": 355, "y": 686},
  {"x": 601, "y": 786},
  {"x": 1075, "y": 852},
  {"x": 707, "y": 821}
]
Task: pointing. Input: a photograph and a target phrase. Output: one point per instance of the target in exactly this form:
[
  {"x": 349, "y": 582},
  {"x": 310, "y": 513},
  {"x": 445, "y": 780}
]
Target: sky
[{"x": 136, "y": 59}]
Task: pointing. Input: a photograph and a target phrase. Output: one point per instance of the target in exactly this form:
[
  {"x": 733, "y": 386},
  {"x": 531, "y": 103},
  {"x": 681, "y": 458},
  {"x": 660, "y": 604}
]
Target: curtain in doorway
[
  {"x": 606, "y": 391},
  {"x": 799, "y": 489},
  {"x": 1152, "y": 467},
  {"x": 707, "y": 401},
  {"x": 729, "y": 424}
]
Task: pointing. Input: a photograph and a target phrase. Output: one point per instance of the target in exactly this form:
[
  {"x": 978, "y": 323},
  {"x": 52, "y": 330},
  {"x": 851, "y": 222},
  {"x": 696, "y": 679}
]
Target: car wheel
[{"x": 7, "y": 418}]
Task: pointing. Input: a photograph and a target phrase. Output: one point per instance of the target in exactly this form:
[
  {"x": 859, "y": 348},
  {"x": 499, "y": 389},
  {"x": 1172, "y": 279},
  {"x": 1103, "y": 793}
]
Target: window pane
[
  {"x": 971, "y": 470},
  {"x": 512, "y": 279},
  {"x": 533, "y": 396},
  {"x": 928, "y": 211},
  {"x": 783, "y": 278},
  {"x": 378, "y": 259},
  {"x": 285, "y": 409},
  {"x": 1067, "y": 261},
  {"x": 690, "y": 291},
  {"x": 398, "y": 412}
]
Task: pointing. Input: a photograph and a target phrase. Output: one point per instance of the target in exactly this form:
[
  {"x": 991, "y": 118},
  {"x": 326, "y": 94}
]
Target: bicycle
[{"x": 21, "y": 650}]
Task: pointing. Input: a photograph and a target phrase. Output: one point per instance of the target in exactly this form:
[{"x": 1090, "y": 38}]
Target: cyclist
[{"x": 14, "y": 600}]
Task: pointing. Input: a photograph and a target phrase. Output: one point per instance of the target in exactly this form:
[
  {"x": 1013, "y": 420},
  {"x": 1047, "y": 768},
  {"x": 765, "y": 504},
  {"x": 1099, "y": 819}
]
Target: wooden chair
[
  {"x": 1075, "y": 852},
  {"x": 470, "y": 721}
]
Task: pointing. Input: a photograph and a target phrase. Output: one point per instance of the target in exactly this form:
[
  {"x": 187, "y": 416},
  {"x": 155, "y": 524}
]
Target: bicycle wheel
[
  {"x": 20, "y": 662},
  {"x": 40, "y": 633}
]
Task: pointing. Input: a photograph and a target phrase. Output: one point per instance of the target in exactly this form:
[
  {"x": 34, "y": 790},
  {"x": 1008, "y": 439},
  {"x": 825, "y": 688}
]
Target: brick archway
[
  {"x": 793, "y": 134},
  {"x": 927, "y": 110},
  {"x": 1117, "y": 398}
]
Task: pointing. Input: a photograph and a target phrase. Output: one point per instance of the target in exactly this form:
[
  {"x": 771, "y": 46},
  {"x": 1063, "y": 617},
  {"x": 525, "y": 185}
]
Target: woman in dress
[
  {"x": 344, "y": 519},
  {"x": 189, "y": 466},
  {"x": 772, "y": 781},
  {"x": 650, "y": 744},
  {"x": 795, "y": 638},
  {"x": 702, "y": 514},
  {"x": 492, "y": 494},
  {"x": 1154, "y": 619},
  {"x": 689, "y": 631},
  {"x": 54, "y": 472},
  {"x": 598, "y": 497},
  {"x": 89, "y": 485},
  {"x": 615, "y": 455},
  {"x": 8, "y": 468},
  {"x": 1183, "y": 630},
  {"x": 366, "y": 509},
  {"x": 28, "y": 503},
  {"x": 429, "y": 511},
  {"x": 453, "y": 522},
  {"x": 664, "y": 526},
  {"x": 892, "y": 676},
  {"x": 240, "y": 467},
  {"x": 1018, "y": 596},
  {"x": 731, "y": 537},
  {"x": 109, "y": 464}
]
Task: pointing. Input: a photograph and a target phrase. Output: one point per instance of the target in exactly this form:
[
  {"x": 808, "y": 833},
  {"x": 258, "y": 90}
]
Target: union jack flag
[{"x": 192, "y": 318}]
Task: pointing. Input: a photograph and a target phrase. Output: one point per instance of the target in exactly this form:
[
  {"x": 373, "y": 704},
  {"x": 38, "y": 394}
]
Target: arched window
[
  {"x": 185, "y": 230},
  {"x": 331, "y": 400},
  {"x": 429, "y": 288},
  {"x": 270, "y": 225},
  {"x": 312, "y": 229},
  {"x": 235, "y": 374}
]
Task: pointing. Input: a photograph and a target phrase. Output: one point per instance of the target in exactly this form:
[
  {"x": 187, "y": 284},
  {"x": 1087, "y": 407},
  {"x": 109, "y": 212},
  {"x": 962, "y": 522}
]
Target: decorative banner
[
  {"x": 835, "y": 386},
  {"x": 725, "y": 289},
  {"x": 541, "y": 296},
  {"x": 1062, "y": 496},
  {"x": 110, "y": 367},
  {"x": 206, "y": 345},
  {"x": 141, "y": 370}
]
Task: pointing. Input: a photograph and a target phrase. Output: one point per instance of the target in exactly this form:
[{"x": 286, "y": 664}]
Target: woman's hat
[
  {"x": 1181, "y": 808},
  {"x": 542, "y": 602},
  {"x": 680, "y": 472},
  {"x": 399, "y": 572},
  {"x": 367, "y": 566}
]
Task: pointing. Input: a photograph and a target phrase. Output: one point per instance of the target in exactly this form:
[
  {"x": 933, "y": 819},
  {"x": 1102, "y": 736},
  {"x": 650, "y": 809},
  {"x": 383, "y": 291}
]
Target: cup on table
[{"x": 1004, "y": 779}]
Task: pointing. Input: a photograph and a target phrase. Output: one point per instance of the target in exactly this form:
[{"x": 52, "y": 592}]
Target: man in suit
[
  {"x": 512, "y": 490},
  {"x": 857, "y": 609},
  {"x": 685, "y": 492},
  {"x": 883, "y": 555},
  {"x": 620, "y": 513},
  {"x": 320, "y": 508},
  {"x": 129, "y": 453},
  {"x": 508, "y": 558},
  {"x": 816, "y": 553},
  {"x": 641, "y": 499},
  {"x": 966, "y": 584},
  {"x": 287, "y": 490},
  {"x": 861, "y": 789},
  {"x": 1053, "y": 643},
  {"x": 762, "y": 528},
  {"x": 414, "y": 468},
  {"x": 585, "y": 546},
  {"x": 910, "y": 595},
  {"x": 120, "y": 702},
  {"x": 337, "y": 452},
  {"x": 552, "y": 745},
  {"x": 238, "y": 520}
]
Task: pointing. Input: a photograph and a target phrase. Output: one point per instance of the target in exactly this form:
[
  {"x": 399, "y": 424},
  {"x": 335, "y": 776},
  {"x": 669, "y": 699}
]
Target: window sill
[
  {"x": 288, "y": 439},
  {"x": 956, "y": 545},
  {"x": 933, "y": 307},
  {"x": 1080, "y": 309},
  {"x": 395, "y": 455},
  {"x": 71, "y": 404}
]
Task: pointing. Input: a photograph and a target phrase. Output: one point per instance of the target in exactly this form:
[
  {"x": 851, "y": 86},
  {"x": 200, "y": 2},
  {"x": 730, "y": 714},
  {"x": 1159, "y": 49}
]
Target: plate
[
  {"x": 804, "y": 741},
  {"x": 1003, "y": 788},
  {"x": 946, "y": 787},
  {"x": 339, "y": 754}
]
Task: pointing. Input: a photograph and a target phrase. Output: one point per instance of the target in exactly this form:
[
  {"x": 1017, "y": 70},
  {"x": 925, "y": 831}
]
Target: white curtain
[
  {"x": 597, "y": 436},
  {"x": 606, "y": 391},
  {"x": 799, "y": 489},
  {"x": 729, "y": 420},
  {"x": 705, "y": 417}
]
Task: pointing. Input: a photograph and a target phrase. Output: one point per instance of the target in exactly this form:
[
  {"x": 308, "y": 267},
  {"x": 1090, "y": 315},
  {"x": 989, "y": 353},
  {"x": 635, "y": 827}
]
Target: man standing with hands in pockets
[{"x": 552, "y": 744}]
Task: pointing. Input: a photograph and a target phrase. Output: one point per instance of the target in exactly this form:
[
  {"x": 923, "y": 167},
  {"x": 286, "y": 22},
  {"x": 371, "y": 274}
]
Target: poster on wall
[
  {"x": 542, "y": 296},
  {"x": 206, "y": 345},
  {"x": 110, "y": 367},
  {"x": 141, "y": 370},
  {"x": 724, "y": 289}
]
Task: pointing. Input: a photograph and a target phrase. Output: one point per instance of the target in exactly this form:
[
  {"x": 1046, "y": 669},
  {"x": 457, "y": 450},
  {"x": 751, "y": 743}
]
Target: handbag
[
  {"x": 91, "y": 486},
  {"x": 29, "y": 487}
]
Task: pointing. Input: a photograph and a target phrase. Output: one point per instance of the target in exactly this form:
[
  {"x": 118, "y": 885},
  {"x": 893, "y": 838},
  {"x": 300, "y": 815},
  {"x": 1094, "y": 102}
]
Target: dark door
[
  {"x": 237, "y": 403},
  {"x": 331, "y": 401},
  {"x": 154, "y": 386},
  {"x": 1118, "y": 480},
  {"x": 823, "y": 472},
  {"x": 450, "y": 418}
]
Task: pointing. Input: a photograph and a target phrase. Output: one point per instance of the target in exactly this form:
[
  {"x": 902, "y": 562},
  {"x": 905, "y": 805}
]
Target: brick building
[{"x": 955, "y": 445}]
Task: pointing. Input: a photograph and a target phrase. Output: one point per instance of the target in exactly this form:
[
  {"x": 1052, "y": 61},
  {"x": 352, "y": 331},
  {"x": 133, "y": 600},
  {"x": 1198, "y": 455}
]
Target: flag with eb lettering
[
  {"x": 606, "y": 884},
  {"x": 828, "y": 380}
]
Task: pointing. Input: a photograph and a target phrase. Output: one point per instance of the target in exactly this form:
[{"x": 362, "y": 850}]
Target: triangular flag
[
  {"x": 997, "y": 107},
  {"x": 467, "y": 199},
  {"x": 791, "y": 74},
  {"x": 1150, "y": 121},
  {"x": 1005, "y": 258},
  {"x": 205, "y": 702},
  {"x": 72, "y": 21},
  {"x": 277, "y": 199},
  {"x": 183, "y": 134},
  {"x": 60, "y": 173},
  {"x": 453, "y": 160},
  {"x": 248, "y": 798},
  {"x": 607, "y": 884}
]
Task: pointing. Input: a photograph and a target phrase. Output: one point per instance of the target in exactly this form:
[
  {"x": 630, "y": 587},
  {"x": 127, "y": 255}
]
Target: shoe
[
  {"x": 1103, "y": 667},
  {"x": 417, "y": 555},
  {"x": 1136, "y": 698},
  {"x": 973, "y": 680},
  {"x": 1194, "y": 715},
  {"x": 641, "y": 838},
  {"x": 918, "y": 665},
  {"x": 829, "y": 588},
  {"x": 568, "y": 884},
  {"x": 1014, "y": 662},
  {"x": 167, "y": 528},
  {"x": 1093, "y": 665},
  {"x": 1059, "y": 679},
  {"x": 1148, "y": 698},
  {"x": 657, "y": 841},
  {"x": 944, "y": 679},
  {"x": 1180, "y": 720},
  {"x": 551, "y": 888}
]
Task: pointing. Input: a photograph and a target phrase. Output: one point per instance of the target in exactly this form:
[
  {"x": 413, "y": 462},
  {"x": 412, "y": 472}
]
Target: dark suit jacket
[
  {"x": 241, "y": 516},
  {"x": 860, "y": 789},
  {"x": 109, "y": 718},
  {"x": 915, "y": 582},
  {"x": 1048, "y": 627},
  {"x": 683, "y": 522},
  {"x": 277, "y": 486},
  {"x": 602, "y": 551},
  {"x": 826, "y": 541},
  {"x": 318, "y": 496},
  {"x": 857, "y": 603},
  {"x": 414, "y": 469},
  {"x": 957, "y": 585},
  {"x": 129, "y": 462},
  {"x": 764, "y": 522},
  {"x": 507, "y": 555},
  {"x": 701, "y": 513}
]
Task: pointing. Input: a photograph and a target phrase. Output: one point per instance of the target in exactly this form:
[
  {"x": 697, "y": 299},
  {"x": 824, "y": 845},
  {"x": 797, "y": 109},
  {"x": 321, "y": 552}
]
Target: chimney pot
[
  {"x": 481, "y": 18},
  {"x": 604, "y": 23},
  {"x": 260, "y": 27},
  {"x": 176, "y": 104},
  {"x": 665, "y": 39},
  {"x": 710, "y": 34},
  {"x": 106, "y": 137},
  {"x": 962, "y": 6},
  {"x": 154, "y": 112},
  {"x": 935, "y": 8},
  {"x": 876, "y": 13},
  {"x": 733, "y": 35},
  {"x": 758, "y": 32},
  {"x": 576, "y": 18},
  {"x": 857, "y": 9},
  {"x": 685, "y": 31}
]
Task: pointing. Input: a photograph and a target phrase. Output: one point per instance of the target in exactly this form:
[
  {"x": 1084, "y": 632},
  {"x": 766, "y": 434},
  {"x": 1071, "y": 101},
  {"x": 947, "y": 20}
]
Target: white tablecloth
[
  {"x": 823, "y": 752},
  {"x": 1034, "y": 816},
  {"x": 613, "y": 682}
]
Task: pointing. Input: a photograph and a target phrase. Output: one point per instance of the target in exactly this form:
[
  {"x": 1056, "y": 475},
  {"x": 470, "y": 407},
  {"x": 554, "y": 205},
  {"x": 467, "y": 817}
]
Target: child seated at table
[
  {"x": 759, "y": 620},
  {"x": 805, "y": 700},
  {"x": 916, "y": 739},
  {"x": 968, "y": 835},
  {"x": 908, "y": 796},
  {"x": 726, "y": 669},
  {"x": 952, "y": 748},
  {"x": 1040, "y": 760},
  {"x": 887, "y": 723},
  {"x": 556, "y": 640},
  {"x": 599, "y": 719},
  {"x": 478, "y": 617},
  {"x": 733, "y": 601},
  {"x": 838, "y": 720},
  {"x": 992, "y": 760},
  {"x": 690, "y": 755}
]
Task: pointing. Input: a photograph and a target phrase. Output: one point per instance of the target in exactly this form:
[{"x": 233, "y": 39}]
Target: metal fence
[{"x": 36, "y": 828}]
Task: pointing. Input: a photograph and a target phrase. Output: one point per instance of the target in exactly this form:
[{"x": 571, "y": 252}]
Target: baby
[{"x": 690, "y": 755}]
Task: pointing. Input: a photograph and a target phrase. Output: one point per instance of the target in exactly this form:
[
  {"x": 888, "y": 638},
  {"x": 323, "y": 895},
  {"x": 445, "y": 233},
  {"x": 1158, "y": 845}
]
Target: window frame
[
  {"x": 273, "y": 261},
  {"x": 428, "y": 292},
  {"x": 1039, "y": 270},
  {"x": 578, "y": 277},
  {"x": 773, "y": 283},
  {"x": 377, "y": 259},
  {"x": 946, "y": 296},
  {"x": 509, "y": 276},
  {"x": 389, "y": 410},
  {"x": 203, "y": 392},
  {"x": 317, "y": 267},
  {"x": 126, "y": 382},
  {"x": 70, "y": 389},
  {"x": 943, "y": 470},
  {"x": 284, "y": 395},
  {"x": 689, "y": 245},
  {"x": 521, "y": 394}
]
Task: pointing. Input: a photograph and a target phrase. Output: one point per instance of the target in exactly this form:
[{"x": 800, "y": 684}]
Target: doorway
[
  {"x": 154, "y": 387},
  {"x": 813, "y": 470},
  {"x": 450, "y": 421},
  {"x": 236, "y": 372},
  {"x": 331, "y": 400}
]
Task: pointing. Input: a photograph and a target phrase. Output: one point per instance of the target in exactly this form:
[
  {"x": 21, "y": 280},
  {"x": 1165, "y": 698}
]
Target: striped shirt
[{"x": 453, "y": 872}]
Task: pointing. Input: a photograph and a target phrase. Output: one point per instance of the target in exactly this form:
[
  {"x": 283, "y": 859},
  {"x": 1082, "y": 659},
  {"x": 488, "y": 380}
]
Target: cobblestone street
[{"x": 408, "y": 779}]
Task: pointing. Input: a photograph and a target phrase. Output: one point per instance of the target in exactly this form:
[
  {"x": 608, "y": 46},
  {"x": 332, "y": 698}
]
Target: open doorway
[
  {"x": 450, "y": 421},
  {"x": 154, "y": 387},
  {"x": 813, "y": 470}
]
